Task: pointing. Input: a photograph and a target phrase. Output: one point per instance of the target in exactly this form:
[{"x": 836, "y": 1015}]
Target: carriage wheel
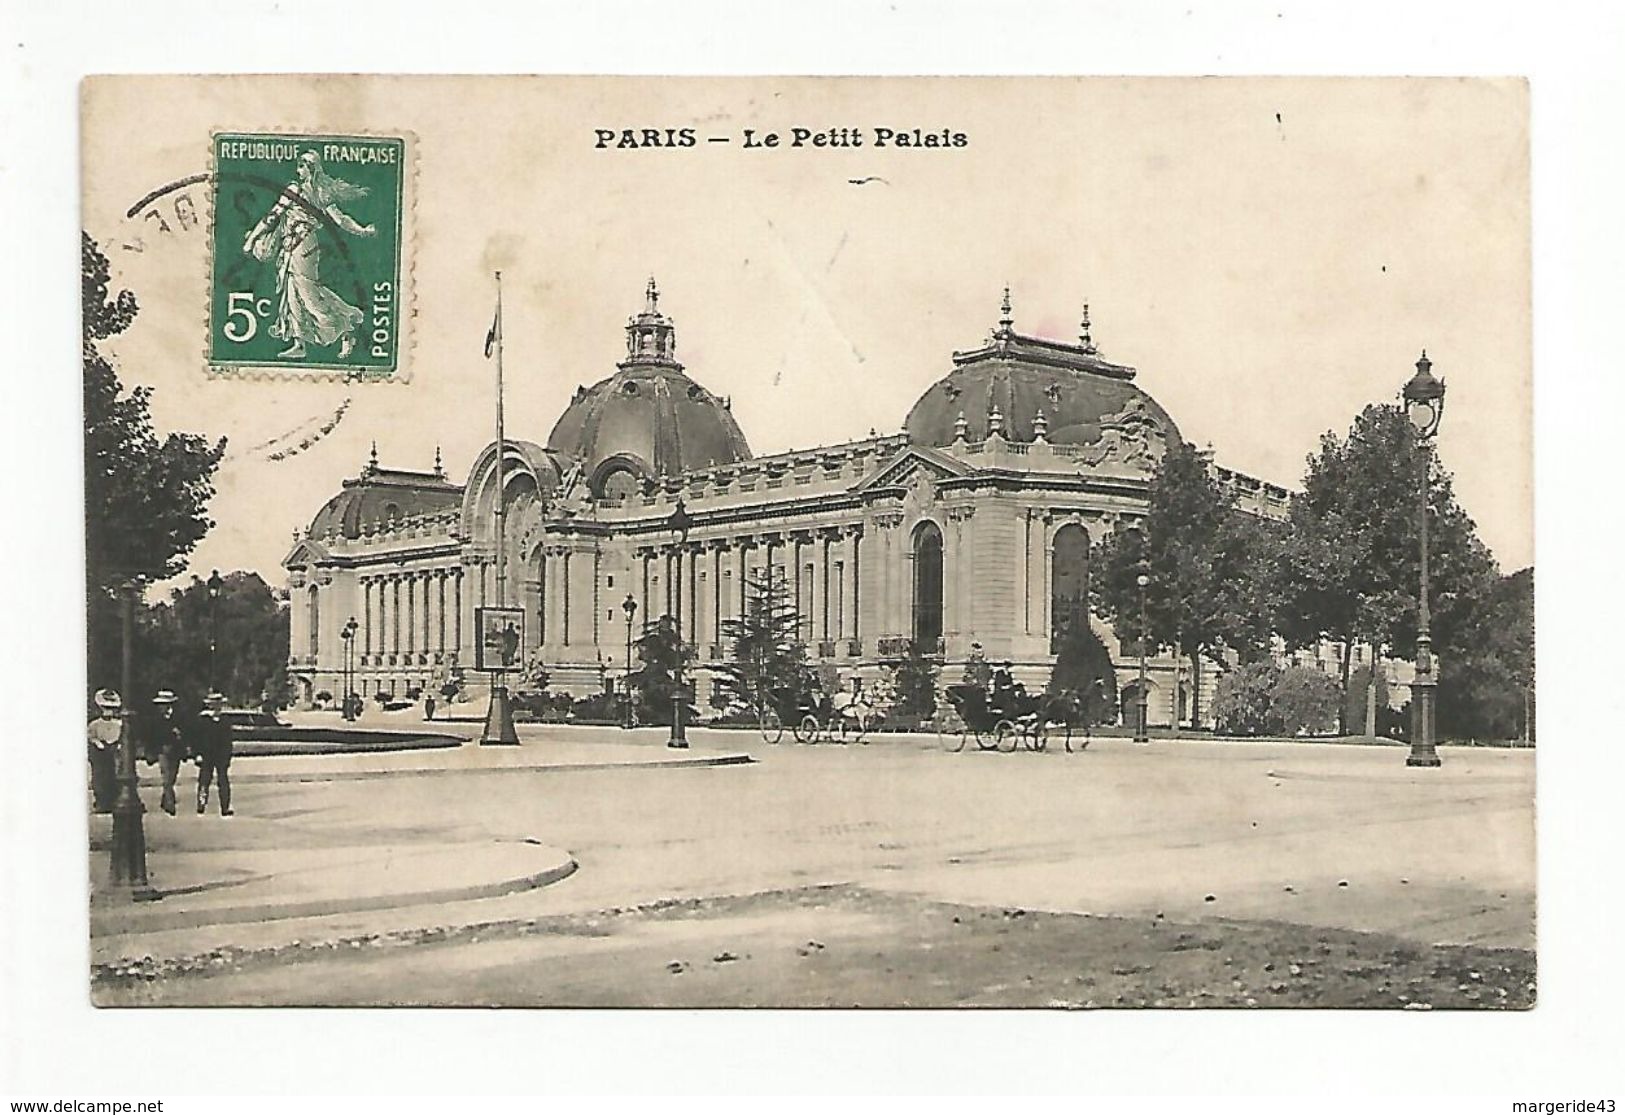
[
  {"x": 806, "y": 730},
  {"x": 1005, "y": 735},
  {"x": 987, "y": 740},
  {"x": 951, "y": 733},
  {"x": 772, "y": 727}
]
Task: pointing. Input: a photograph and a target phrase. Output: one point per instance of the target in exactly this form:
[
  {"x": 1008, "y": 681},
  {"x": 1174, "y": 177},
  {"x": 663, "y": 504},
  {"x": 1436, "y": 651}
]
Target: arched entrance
[
  {"x": 1069, "y": 583},
  {"x": 927, "y": 585}
]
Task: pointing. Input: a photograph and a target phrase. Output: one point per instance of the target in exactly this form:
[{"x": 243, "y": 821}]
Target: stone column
[
  {"x": 716, "y": 591},
  {"x": 857, "y": 536},
  {"x": 564, "y": 598},
  {"x": 457, "y": 612}
]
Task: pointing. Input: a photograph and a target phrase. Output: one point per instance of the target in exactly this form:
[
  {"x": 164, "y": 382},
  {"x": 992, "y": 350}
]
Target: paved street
[{"x": 1201, "y": 836}]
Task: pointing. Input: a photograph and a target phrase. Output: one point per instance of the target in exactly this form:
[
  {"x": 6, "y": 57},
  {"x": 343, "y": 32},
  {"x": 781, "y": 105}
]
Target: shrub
[
  {"x": 1083, "y": 670},
  {"x": 1304, "y": 702},
  {"x": 1243, "y": 700}
]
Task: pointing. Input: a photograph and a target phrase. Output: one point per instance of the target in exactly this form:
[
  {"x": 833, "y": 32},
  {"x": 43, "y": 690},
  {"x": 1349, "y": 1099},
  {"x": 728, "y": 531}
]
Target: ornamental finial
[
  {"x": 961, "y": 427},
  {"x": 439, "y": 469},
  {"x": 372, "y": 458},
  {"x": 651, "y": 297},
  {"x": 1424, "y": 365},
  {"x": 995, "y": 422},
  {"x": 1005, "y": 318},
  {"x": 1040, "y": 426},
  {"x": 1085, "y": 337}
]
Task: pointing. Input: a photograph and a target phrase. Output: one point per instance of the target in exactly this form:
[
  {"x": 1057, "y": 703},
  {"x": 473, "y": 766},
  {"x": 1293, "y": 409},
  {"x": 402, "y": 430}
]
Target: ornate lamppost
[
  {"x": 1141, "y": 735},
  {"x": 214, "y": 584},
  {"x": 348, "y": 635},
  {"x": 128, "y": 872},
  {"x": 680, "y": 523},
  {"x": 630, "y": 607},
  {"x": 1424, "y": 406}
]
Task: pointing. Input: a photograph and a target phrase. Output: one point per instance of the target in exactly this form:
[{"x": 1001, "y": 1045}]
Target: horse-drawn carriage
[
  {"x": 813, "y": 715},
  {"x": 1000, "y": 719}
]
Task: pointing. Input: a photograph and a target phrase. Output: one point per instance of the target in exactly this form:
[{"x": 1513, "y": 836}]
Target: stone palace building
[{"x": 974, "y": 525}]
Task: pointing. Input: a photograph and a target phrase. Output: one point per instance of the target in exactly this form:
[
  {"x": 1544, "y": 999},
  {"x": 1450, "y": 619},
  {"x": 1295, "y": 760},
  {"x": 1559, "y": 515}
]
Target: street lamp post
[
  {"x": 680, "y": 523},
  {"x": 1141, "y": 735},
  {"x": 348, "y": 635},
  {"x": 1424, "y": 406},
  {"x": 630, "y": 607},
  {"x": 214, "y": 584},
  {"x": 129, "y": 845}
]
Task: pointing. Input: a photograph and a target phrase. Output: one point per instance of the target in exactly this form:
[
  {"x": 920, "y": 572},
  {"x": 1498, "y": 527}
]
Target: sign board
[{"x": 501, "y": 641}]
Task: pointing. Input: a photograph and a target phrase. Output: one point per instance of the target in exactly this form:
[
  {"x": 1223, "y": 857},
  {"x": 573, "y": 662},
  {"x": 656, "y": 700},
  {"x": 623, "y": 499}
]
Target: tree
[
  {"x": 1348, "y": 570},
  {"x": 913, "y": 678},
  {"x": 1486, "y": 683},
  {"x": 767, "y": 652},
  {"x": 1244, "y": 698},
  {"x": 1083, "y": 669},
  {"x": 145, "y": 497},
  {"x": 660, "y": 649},
  {"x": 1202, "y": 560},
  {"x": 249, "y": 629}
]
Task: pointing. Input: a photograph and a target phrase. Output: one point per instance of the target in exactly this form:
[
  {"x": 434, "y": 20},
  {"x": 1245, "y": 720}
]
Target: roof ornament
[
  {"x": 961, "y": 427},
  {"x": 372, "y": 459},
  {"x": 1084, "y": 337},
  {"x": 439, "y": 468},
  {"x": 1006, "y": 321},
  {"x": 995, "y": 422},
  {"x": 651, "y": 297},
  {"x": 1040, "y": 426}
]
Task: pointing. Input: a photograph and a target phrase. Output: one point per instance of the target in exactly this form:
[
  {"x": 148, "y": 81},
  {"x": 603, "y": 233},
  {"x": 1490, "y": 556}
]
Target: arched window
[
  {"x": 928, "y": 585},
  {"x": 620, "y": 484},
  {"x": 1069, "y": 583},
  {"x": 315, "y": 618}
]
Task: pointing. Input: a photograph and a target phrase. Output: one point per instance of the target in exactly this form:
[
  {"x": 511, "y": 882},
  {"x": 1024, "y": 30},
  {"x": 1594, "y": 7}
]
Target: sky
[{"x": 1271, "y": 254}]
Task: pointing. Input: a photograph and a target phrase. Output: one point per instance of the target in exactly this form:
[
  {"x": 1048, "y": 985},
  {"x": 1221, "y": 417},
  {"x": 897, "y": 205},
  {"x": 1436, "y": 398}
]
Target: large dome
[
  {"x": 381, "y": 497},
  {"x": 1017, "y": 376},
  {"x": 648, "y": 420}
]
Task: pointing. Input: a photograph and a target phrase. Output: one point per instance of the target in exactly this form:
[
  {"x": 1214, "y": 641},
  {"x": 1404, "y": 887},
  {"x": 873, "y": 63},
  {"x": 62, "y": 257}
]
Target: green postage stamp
[{"x": 305, "y": 275}]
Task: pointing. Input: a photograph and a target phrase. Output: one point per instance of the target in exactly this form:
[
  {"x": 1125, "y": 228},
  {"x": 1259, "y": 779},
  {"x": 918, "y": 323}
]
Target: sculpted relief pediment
[{"x": 1130, "y": 440}]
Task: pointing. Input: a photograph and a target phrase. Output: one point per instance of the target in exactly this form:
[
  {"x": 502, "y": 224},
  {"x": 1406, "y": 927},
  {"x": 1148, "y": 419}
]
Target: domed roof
[
  {"x": 648, "y": 418},
  {"x": 1078, "y": 392},
  {"x": 380, "y": 496}
]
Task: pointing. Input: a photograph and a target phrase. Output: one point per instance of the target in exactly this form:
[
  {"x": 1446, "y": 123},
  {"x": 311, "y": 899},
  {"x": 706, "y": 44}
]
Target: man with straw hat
[
  {"x": 170, "y": 745},
  {"x": 104, "y": 736}
]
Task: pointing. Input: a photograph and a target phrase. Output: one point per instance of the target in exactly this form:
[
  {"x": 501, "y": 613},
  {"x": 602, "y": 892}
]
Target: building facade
[{"x": 974, "y": 525}]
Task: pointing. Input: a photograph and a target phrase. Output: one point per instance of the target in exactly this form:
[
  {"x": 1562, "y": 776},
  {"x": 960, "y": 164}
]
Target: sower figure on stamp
[
  {"x": 103, "y": 737},
  {"x": 211, "y": 743},
  {"x": 308, "y": 311},
  {"x": 170, "y": 744}
]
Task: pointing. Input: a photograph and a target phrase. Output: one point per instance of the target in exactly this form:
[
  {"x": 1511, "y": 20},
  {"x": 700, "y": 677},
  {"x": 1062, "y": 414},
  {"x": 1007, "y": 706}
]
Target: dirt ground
[{"x": 841, "y": 947}]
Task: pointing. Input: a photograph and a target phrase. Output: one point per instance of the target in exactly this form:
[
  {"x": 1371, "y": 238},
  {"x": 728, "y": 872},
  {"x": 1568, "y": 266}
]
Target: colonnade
[{"x": 410, "y": 617}]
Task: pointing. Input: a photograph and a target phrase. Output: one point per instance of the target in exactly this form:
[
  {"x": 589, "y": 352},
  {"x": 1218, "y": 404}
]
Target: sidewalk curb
[
  {"x": 160, "y": 921},
  {"x": 730, "y": 759}
]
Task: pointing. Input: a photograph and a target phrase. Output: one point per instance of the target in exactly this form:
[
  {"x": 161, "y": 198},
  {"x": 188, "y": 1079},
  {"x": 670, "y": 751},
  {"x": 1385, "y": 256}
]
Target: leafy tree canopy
[{"x": 145, "y": 496}]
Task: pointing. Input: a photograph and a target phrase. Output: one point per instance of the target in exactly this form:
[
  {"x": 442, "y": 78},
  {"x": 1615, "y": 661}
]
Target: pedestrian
[
  {"x": 170, "y": 743},
  {"x": 428, "y": 706},
  {"x": 211, "y": 743},
  {"x": 103, "y": 733}
]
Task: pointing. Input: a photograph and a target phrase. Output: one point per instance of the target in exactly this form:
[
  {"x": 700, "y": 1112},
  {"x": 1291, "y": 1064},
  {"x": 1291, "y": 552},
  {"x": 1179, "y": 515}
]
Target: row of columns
[
  {"x": 706, "y": 582},
  {"x": 411, "y": 612}
]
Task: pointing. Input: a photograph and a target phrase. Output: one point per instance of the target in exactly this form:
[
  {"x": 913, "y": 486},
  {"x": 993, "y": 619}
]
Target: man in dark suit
[{"x": 211, "y": 743}]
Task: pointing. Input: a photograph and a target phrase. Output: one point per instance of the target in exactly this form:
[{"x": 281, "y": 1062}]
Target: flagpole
[
  {"x": 502, "y": 460},
  {"x": 499, "y": 726}
]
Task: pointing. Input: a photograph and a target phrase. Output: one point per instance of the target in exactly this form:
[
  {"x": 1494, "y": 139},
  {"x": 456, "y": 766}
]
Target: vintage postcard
[{"x": 809, "y": 542}]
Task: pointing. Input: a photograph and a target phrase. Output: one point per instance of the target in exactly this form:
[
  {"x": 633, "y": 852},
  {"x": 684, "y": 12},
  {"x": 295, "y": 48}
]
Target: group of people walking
[{"x": 170, "y": 740}]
